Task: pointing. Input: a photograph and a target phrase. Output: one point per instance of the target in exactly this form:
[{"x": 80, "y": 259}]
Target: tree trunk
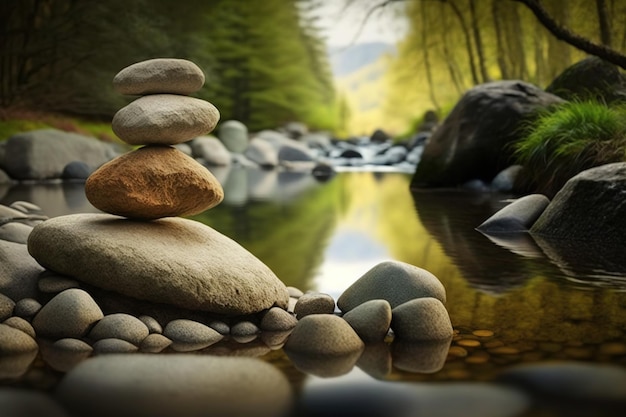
[
  {"x": 605, "y": 23},
  {"x": 478, "y": 41},
  {"x": 571, "y": 38},
  {"x": 450, "y": 61},
  {"x": 468, "y": 40},
  {"x": 429, "y": 75},
  {"x": 501, "y": 53}
]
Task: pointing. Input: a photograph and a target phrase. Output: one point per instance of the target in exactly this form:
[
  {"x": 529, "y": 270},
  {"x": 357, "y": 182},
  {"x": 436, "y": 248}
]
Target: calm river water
[{"x": 510, "y": 300}]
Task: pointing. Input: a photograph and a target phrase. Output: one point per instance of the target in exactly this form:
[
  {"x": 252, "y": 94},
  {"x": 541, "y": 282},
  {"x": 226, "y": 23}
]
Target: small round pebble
[
  {"x": 370, "y": 320},
  {"x": 154, "y": 343},
  {"x": 189, "y": 335},
  {"x": 21, "y": 324},
  {"x": 6, "y": 307},
  {"x": 323, "y": 334},
  {"x": 276, "y": 320},
  {"x": 151, "y": 323},
  {"x": 294, "y": 292},
  {"x": 108, "y": 346},
  {"x": 421, "y": 319},
  {"x": 69, "y": 314},
  {"x": 244, "y": 331},
  {"x": 220, "y": 327},
  {"x": 314, "y": 303},
  {"x": 120, "y": 326},
  {"x": 26, "y": 308},
  {"x": 15, "y": 342}
]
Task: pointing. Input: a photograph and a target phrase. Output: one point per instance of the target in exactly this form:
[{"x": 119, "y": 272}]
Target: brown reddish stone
[{"x": 153, "y": 182}]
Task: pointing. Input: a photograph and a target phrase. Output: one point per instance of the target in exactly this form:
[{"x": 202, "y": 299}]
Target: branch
[{"x": 577, "y": 41}]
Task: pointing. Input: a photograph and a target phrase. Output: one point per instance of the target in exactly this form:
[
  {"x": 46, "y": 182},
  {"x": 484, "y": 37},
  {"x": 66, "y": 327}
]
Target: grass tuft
[{"x": 568, "y": 139}]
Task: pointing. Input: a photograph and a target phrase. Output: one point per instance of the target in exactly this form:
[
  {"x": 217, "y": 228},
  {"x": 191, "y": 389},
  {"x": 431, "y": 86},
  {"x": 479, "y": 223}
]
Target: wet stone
[
  {"x": 277, "y": 319},
  {"x": 69, "y": 314},
  {"x": 421, "y": 319},
  {"x": 109, "y": 346},
  {"x": 294, "y": 292},
  {"x": 27, "y": 308},
  {"x": 314, "y": 303},
  {"x": 220, "y": 327},
  {"x": 370, "y": 320},
  {"x": 244, "y": 331},
  {"x": 189, "y": 335},
  {"x": 154, "y": 343},
  {"x": 120, "y": 326},
  {"x": 21, "y": 324},
  {"x": 151, "y": 323}
]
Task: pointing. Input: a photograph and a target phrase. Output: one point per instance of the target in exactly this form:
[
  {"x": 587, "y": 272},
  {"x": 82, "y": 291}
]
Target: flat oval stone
[
  {"x": 69, "y": 314},
  {"x": 142, "y": 385},
  {"x": 189, "y": 335},
  {"x": 325, "y": 335},
  {"x": 120, "y": 326},
  {"x": 113, "y": 345},
  {"x": 160, "y": 75},
  {"x": 153, "y": 182},
  {"x": 154, "y": 343},
  {"x": 164, "y": 119},
  {"x": 175, "y": 261}
]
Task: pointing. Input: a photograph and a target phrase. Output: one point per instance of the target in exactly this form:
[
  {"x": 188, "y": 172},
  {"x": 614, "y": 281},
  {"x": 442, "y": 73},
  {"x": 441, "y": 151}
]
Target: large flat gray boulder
[
  {"x": 174, "y": 261},
  {"x": 43, "y": 154}
]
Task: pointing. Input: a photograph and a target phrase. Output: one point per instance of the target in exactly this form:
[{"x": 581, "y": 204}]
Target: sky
[{"x": 344, "y": 25}]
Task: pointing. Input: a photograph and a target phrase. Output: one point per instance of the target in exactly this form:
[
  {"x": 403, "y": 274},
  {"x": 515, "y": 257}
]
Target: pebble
[
  {"x": 189, "y": 335},
  {"x": 15, "y": 232},
  {"x": 151, "y": 323},
  {"x": 69, "y": 314},
  {"x": 112, "y": 345},
  {"x": 15, "y": 342},
  {"x": 154, "y": 343},
  {"x": 220, "y": 327},
  {"x": 65, "y": 354},
  {"x": 6, "y": 307},
  {"x": 323, "y": 334},
  {"x": 244, "y": 331},
  {"x": 120, "y": 326},
  {"x": 394, "y": 281},
  {"x": 234, "y": 135},
  {"x": 27, "y": 308},
  {"x": 518, "y": 216},
  {"x": 166, "y": 183},
  {"x": 468, "y": 343},
  {"x": 26, "y": 207},
  {"x": 482, "y": 333},
  {"x": 144, "y": 385},
  {"x": 21, "y": 324},
  {"x": 211, "y": 150},
  {"x": 421, "y": 319},
  {"x": 294, "y": 292},
  {"x": 159, "y": 75},
  {"x": 164, "y": 119},
  {"x": 314, "y": 303},
  {"x": 277, "y": 319},
  {"x": 370, "y": 320}
]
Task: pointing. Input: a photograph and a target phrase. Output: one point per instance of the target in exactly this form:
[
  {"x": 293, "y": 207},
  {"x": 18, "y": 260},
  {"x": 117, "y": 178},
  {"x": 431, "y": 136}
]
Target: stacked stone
[{"x": 157, "y": 180}]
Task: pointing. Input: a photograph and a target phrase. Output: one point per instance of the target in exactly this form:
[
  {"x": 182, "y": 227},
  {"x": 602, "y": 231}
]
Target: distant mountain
[{"x": 346, "y": 60}]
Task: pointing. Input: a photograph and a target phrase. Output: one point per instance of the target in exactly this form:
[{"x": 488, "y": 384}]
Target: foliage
[
  {"x": 573, "y": 137},
  {"x": 471, "y": 42},
  {"x": 264, "y": 61}
]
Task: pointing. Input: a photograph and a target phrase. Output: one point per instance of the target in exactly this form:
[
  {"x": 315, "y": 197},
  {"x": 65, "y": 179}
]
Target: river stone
[
  {"x": 76, "y": 170},
  {"x": 120, "y": 326},
  {"x": 160, "y": 75},
  {"x": 69, "y": 314},
  {"x": 153, "y": 182},
  {"x": 244, "y": 332},
  {"x": 21, "y": 324},
  {"x": 164, "y": 119},
  {"x": 262, "y": 152},
  {"x": 6, "y": 307},
  {"x": 394, "y": 281},
  {"x": 370, "y": 320},
  {"x": 15, "y": 342},
  {"x": 518, "y": 216},
  {"x": 174, "y": 261},
  {"x": 26, "y": 308},
  {"x": 43, "y": 154},
  {"x": 143, "y": 385},
  {"x": 189, "y": 335},
  {"x": 234, "y": 135},
  {"x": 314, "y": 303},
  {"x": 211, "y": 150},
  {"x": 154, "y": 343},
  {"x": 590, "y": 207},
  {"x": 421, "y": 319},
  {"x": 277, "y": 320},
  {"x": 325, "y": 335},
  {"x": 15, "y": 232},
  {"x": 151, "y": 323},
  {"x": 18, "y": 271},
  {"x": 113, "y": 345}
]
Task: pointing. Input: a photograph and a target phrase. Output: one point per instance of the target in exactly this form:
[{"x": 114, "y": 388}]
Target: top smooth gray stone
[{"x": 159, "y": 76}]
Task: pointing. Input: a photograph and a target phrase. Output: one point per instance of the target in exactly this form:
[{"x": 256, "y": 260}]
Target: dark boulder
[
  {"x": 590, "y": 207},
  {"x": 379, "y": 136},
  {"x": 590, "y": 79},
  {"x": 474, "y": 141}
]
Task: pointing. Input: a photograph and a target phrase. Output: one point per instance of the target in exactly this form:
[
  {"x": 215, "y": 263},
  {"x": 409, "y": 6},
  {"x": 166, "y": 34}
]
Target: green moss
[
  {"x": 566, "y": 140},
  {"x": 28, "y": 122}
]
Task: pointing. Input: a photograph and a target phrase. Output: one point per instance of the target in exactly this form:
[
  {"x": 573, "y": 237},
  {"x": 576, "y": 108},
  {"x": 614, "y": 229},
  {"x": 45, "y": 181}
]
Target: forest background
[{"x": 267, "y": 63}]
